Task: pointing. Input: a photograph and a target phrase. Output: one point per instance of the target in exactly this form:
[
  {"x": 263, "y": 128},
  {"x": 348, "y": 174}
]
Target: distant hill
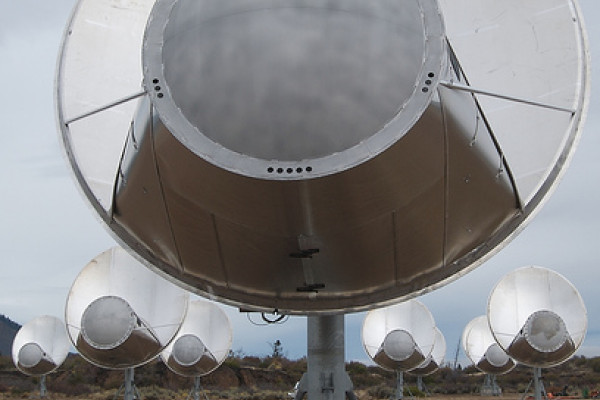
[{"x": 8, "y": 330}]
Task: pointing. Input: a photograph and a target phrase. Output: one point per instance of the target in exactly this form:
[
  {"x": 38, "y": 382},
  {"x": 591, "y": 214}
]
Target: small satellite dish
[
  {"x": 202, "y": 343},
  {"x": 537, "y": 316},
  {"x": 483, "y": 350},
  {"x": 399, "y": 337},
  {"x": 278, "y": 149},
  {"x": 120, "y": 314},
  {"x": 40, "y": 346},
  {"x": 435, "y": 359}
]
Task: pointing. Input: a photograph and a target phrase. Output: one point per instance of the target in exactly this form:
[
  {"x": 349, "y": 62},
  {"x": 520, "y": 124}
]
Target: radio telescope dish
[
  {"x": 537, "y": 316},
  {"x": 120, "y": 314},
  {"x": 202, "y": 343},
  {"x": 435, "y": 359},
  {"x": 276, "y": 149},
  {"x": 40, "y": 346},
  {"x": 399, "y": 337},
  {"x": 483, "y": 350}
]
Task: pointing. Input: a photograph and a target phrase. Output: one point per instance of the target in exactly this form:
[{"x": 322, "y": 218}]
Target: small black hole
[
  {"x": 270, "y": 170},
  {"x": 160, "y": 95},
  {"x": 290, "y": 170},
  {"x": 308, "y": 169},
  {"x": 155, "y": 81},
  {"x": 428, "y": 82},
  {"x": 156, "y": 87},
  {"x": 279, "y": 170},
  {"x": 299, "y": 170},
  {"x": 431, "y": 74},
  {"x": 425, "y": 90}
]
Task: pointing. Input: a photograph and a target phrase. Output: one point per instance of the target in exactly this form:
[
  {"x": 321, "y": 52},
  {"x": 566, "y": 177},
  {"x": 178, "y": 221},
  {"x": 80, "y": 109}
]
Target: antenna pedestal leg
[
  {"x": 130, "y": 392},
  {"x": 399, "y": 385},
  {"x": 540, "y": 391},
  {"x": 326, "y": 377},
  {"x": 196, "y": 389},
  {"x": 43, "y": 391},
  {"x": 490, "y": 387}
]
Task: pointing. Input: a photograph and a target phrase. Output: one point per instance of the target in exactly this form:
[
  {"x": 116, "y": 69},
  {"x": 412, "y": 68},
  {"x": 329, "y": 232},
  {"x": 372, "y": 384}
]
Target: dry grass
[{"x": 155, "y": 393}]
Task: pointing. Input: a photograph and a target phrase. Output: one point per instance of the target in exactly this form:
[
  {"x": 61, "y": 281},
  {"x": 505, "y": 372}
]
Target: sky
[{"x": 49, "y": 233}]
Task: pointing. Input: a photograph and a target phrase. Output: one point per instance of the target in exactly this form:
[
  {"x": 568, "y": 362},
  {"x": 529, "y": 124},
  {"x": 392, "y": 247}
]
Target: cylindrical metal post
[
  {"x": 43, "y": 391},
  {"x": 196, "y": 388},
  {"x": 129, "y": 386},
  {"x": 537, "y": 383},
  {"x": 399, "y": 385},
  {"x": 326, "y": 377}
]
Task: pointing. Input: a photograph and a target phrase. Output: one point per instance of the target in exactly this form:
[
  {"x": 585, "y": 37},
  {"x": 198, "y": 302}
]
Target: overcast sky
[{"x": 49, "y": 233}]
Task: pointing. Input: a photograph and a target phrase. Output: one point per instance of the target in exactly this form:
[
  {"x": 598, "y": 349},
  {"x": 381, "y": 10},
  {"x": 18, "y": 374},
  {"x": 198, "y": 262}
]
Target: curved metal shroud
[
  {"x": 406, "y": 216},
  {"x": 229, "y": 184}
]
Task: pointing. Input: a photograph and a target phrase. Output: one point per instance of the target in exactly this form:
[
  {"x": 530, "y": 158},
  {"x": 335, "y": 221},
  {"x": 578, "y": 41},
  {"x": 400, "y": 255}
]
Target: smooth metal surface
[
  {"x": 112, "y": 334},
  {"x": 107, "y": 322},
  {"x": 534, "y": 51},
  {"x": 435, "y": 359},
  {"x": 537, "y": 316},
  {"x": 325, "y": 377},
  {"x": 202, "y": 343},
  {"x": 40, "y": 346},
  {"x": 398, "y": 345},
  {"x": 291, "y": 83},
  {"x": 30, "y": 355},
  {"x": 285, "y": 147},
  {"x": 129, "y": 390},
  {"x": 399, "y": 337},
  {"x": 120, "y": 314},
  {"x": 538, "y": 385},
  {"x": 543, "y": 339},
  {"x": 483, "y": 351}
]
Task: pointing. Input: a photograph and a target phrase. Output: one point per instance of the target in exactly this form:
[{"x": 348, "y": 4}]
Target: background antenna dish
[
  {"x": 435, "y": 359},
  {"x": 40, "y": 346},
  {"x": 120, "y": 314},
  {"x": 309, "y": 144},
  {"x": 202, "y": 343},
  {"x": 399, "y": 337},
  {"x": 483, "y": 350},
  {"x": 537, "y": 316}
]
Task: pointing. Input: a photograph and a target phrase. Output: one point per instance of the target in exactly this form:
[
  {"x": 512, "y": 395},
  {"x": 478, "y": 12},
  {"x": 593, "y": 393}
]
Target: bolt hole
[
  {"x": 270, "y": 170},
  {"x": 157, "y": 88},
  {"x": 425, "y": 90},
  {"x": 308, "y": 169},
  {"x": 279, "y": 170},
  {"x": 431, "y": 74},
  {"x": 160, "y": 95},
  {"x": 299, "y": 170},
  {"x": 155, "y": 81},
  {"x": 428, "y": 82}
]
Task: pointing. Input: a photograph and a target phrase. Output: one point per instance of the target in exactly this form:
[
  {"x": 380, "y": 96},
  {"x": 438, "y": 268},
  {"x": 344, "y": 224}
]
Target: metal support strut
[
  {"x": 128, "y": 388},
  {"x": 43, "y": 390},
  {"x": 399, "y": 385},
  {"x": 538, "y": 385}
]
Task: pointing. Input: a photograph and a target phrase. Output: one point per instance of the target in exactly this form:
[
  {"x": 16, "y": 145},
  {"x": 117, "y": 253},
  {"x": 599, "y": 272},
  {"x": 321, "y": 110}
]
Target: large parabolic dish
[
  {"x": 269, "y": 153},
  {"x": 40, "y": 346},
  {"x": 120, "y": 314},
  {"x": 399, "y": 337},
  {"x": 483, "y": 350},
  {"x": 202, "y": 343},
  {"x": 537, "y": 316},
  {"x": 435, "y": 359}
]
